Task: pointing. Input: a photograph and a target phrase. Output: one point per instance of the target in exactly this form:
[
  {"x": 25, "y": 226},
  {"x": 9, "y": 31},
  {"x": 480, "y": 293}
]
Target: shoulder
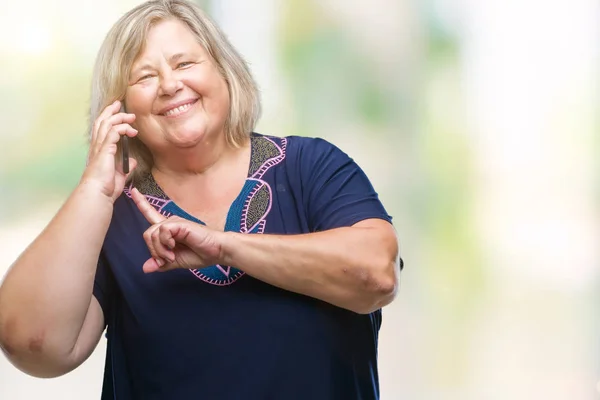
[
  {"x": 310, "y": 145},
  {"x": 304, "y": 149}
]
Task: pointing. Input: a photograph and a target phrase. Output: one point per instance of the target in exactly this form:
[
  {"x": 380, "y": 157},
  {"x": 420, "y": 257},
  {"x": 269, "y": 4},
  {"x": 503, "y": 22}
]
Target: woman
[{"x": 278, "y": 251}]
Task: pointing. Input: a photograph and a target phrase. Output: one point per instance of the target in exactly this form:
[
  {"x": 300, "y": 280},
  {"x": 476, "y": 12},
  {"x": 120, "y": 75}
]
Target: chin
[
  {"x": 186, "y": 140},
  {"x": 190, "y": 131}
]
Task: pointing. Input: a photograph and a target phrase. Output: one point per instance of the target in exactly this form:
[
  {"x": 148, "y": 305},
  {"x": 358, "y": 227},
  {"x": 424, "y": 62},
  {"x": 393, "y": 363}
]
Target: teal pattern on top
[{"x": 247, "y": 214}]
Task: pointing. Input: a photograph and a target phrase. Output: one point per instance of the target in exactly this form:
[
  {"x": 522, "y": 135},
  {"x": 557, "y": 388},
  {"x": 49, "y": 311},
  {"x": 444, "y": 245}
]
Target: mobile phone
[{"x": 125, "y": 147}]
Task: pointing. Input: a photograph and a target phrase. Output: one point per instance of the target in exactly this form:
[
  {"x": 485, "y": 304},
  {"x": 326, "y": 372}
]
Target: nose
[{"x": 169, "y": 84}]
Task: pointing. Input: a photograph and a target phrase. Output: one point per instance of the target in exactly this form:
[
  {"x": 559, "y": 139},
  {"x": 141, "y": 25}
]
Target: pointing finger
[{"x": 149, "y": 212}]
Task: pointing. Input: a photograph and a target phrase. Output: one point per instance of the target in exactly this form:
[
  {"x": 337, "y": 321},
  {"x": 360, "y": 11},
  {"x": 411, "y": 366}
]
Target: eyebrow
[{"x": 172, "y": 59}]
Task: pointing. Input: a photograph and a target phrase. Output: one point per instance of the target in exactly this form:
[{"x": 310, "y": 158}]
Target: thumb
[
  {"x": 132, "y": 164},
  {"x": 150, "y": 266}
]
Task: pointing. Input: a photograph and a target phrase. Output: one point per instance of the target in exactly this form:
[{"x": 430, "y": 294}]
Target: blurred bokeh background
[{"x": 477, "y": 121}]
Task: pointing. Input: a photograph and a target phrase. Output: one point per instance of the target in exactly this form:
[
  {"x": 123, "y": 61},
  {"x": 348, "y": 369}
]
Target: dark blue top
[{"x": 217, "y": 333}]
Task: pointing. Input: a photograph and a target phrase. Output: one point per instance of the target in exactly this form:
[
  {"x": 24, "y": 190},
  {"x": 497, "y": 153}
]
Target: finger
[
  {"x": 125, "y": 129},
  {"x": 109, "y": 110},
  {"x": 120, "y": 122},
  {"x": 121, "y": 118},
  {"x": 166, "y": 237},
  {"x": 108, "y": 146},
  {"x": 111, "y": 115},
  {"x": 104, "y": 133},
  {"x": 150, "y": 244},
  {"x": 148, "y": 239},
  {"x": 161, "y": 250},
  {"x": 150, "y": 266},
  {"x": 114, "y": 135},
  {"x": 149, "y": 212}
]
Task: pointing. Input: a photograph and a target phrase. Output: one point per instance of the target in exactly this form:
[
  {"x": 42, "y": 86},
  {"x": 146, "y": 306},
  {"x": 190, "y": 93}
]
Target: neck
[{"x": 194, "y": 162}]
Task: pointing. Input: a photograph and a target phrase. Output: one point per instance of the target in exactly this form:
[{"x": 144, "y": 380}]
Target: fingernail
[{"x": 159, "y": 262}]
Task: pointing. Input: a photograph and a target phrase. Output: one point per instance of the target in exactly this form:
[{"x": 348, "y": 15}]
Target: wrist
[
  {"x": 229, "y": 242},
  {"x": 92, "y": 192}
]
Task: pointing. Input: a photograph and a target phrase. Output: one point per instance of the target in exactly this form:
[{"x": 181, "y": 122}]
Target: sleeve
[
  {"x": 104, "y": 286},
  {"x": 336, "y": 191}
]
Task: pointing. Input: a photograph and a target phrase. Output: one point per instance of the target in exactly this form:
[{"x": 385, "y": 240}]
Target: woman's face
[{"x": 176, "y": 91}]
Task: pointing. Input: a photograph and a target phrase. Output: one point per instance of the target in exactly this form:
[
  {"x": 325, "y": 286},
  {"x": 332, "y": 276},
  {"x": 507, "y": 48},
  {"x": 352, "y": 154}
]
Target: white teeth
[{"x": 178, "y": 110}]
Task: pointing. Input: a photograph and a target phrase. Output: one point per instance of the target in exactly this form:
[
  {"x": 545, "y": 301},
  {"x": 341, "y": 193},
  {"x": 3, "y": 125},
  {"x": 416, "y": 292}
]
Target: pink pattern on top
[
  {"x": 158, "y": 203},
  {"x": 271, "y": 161},
  {"x": 258, "y": 202}
]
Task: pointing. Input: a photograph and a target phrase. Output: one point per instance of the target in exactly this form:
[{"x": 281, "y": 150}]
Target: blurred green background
[{"x": 476, "y": 121}]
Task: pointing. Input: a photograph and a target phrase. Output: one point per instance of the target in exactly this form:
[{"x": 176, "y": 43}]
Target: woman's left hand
[{"x": 176, "y": 242}]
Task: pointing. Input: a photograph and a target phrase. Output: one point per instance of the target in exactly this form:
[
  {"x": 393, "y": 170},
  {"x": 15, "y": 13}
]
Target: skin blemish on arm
[
  {"x": 9, "y": 331},
  {"x": 36, "y": 343}
]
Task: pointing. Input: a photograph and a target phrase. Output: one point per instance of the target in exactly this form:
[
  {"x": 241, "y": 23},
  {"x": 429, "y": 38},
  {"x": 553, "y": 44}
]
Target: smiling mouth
[{"x": 179, "y": 110}]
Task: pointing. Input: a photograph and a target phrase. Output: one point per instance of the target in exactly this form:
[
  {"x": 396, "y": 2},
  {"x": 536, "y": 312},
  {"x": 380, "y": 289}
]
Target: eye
[
  {"x": 145, "y": 77},
  {"x": 184, "y": 64}
]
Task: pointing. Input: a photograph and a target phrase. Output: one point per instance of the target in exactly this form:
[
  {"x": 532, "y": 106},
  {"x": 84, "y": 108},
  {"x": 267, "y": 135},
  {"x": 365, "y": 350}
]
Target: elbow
[
  {"x": 17, "y": 341},
  {"x": 28, "y": 352},
  {"x": 378, "y": 282},
  {"x": 379, "y": 287},
  {"x": 32, "y": 363}
]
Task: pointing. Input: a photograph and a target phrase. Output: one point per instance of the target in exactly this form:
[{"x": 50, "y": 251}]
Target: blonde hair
[{"x": 125, "y": 41}]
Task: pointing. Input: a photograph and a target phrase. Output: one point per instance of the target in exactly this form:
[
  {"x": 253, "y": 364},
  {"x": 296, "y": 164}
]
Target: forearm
[
  {"x": 353, "y": 268},
  {"x": 47, "y": 292}
]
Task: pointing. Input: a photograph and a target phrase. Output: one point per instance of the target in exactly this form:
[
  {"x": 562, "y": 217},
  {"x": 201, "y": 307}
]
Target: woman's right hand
[{"x": 103, "y": 169}]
